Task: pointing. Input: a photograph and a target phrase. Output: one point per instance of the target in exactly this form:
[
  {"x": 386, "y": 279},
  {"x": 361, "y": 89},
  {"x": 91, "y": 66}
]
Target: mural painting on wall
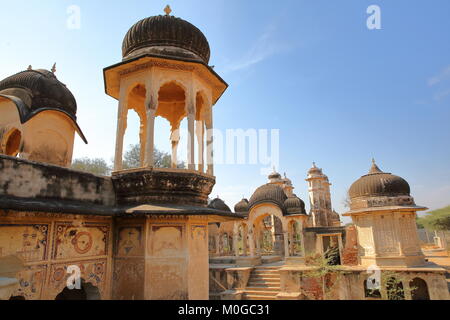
[
  {"x": 170, "y": 281},
  {"x": 198, "y": 234},
  {"x": 130, "y": 241},
  {"x": 91, "y": 271},
  {"x": 73, "y": 241},
  {"x": 27, "y": 241},
  {"x": 31, "y": 282},
  {"x": 166, "y": 241},
  {"x": 128, "y": 279}
]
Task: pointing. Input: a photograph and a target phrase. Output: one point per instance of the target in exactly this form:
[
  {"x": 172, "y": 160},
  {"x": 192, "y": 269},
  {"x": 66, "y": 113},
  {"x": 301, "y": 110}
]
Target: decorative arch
[
  {"x": 394, "y": 289},
  {"x": 12, "y": 142},
  {"x": 419, "y": 289},
  {"x": 260, "y": 211}
]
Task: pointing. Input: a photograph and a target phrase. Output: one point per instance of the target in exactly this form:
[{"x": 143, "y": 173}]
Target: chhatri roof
[
  {"x": 34, "y": 91},
  {"x": 218, "y": 204},
  {"x": 167, "y": 36},
  {"x": 379, "y": 183}
]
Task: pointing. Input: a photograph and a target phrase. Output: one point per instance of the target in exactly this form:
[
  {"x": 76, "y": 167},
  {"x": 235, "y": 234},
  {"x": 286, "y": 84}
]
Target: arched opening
[
  {"x": 419, "y": 289},
  {"x": 12, "y": 142},
  {"x": 394, "y": 289},
  {"x": 296, "y": 238},
  {"x": 241, "y": 240},
  {"x": 87, "y": 292},
  {"x": 172, "y": 107},
  {"x": 270, "y": 237},
  {"x": 134, "y": 136},
  {"x": 331, "y": 250},
  {"x": 227, "y": 245},
  {"x": 371, "y": 289},
  {"x": 132, "y": 146},
  {"x": 200, "y": 131}
]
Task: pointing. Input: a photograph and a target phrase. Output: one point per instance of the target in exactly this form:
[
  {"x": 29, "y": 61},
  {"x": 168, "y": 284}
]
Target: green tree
[
  {"x": 132, "y": 158},
  {"x": 324, "y": 271},
  {"x": 436, "y": 220},
  {"x": 96, "y": 166}
]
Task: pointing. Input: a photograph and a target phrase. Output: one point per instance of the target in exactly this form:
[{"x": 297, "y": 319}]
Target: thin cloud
[
  {"x": 441, "y": 95},
  {"x": 444, "y": 74},
  {"x": 264, "y": 47}
]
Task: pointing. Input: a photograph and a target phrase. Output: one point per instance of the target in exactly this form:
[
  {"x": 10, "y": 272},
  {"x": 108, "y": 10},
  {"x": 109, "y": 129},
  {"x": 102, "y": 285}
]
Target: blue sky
[{"x": 339, "y": 93}]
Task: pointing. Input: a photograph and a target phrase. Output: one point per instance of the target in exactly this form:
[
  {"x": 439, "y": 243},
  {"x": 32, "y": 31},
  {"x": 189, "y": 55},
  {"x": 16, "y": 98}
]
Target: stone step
[
  {"x": 263, "y": 284},
  {"x": 275, "y": 273},
  {"x": 264, "y": 279},
  {"x": 263, "y": 288},
  {"x": 257, "y": 276},
  {"x": 261, "y": 293},
  {"x": 257, "y": 297}
]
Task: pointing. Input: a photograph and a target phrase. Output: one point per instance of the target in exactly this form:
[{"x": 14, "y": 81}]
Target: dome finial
[
  {"x": 53, "y": 70},
  {"x": 314, "y": 165},
  {"x": 374, "y": 168},
  {"x": 167, "y": 10},
  {"x": 30, "y": 67}
]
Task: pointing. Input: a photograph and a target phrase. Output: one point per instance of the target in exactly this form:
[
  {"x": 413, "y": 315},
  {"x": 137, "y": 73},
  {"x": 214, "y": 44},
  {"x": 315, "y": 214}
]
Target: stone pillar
[
  {"x": 251, "y": 240},
  {"x": 302, "y": 243},
  {"x": 200, "y": 131},
  {"x": 175, "y": 139},
  {"x": 191, "y": 131},
  {"x": 217, "y": 245},
  {"x": 235, "y": 244},
  {"x": 151, "y": 103},
  {"x": 258, "y": 244},
  {"x": 121, "y": 127},
  {"x": 142, "y": 137},
  {"x": 209, "y": 144},
  {"x": 286, "y": 244},
  {"x": 244, "y": 242}
]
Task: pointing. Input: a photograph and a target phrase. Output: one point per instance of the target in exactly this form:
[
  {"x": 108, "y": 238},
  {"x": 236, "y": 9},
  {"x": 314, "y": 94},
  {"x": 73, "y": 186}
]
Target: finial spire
[
  {"x": 167, "y": 10},
  {"x": 53, "y": 68},
  {"x": 314, "y": 165},
  {"x": 30, "y": 67},
  {"x": 374, "y": 168}
]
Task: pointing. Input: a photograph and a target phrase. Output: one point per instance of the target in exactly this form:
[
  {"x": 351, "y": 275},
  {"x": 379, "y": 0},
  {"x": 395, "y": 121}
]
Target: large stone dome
[
  {"x": 40, "y": 89},
  {"x": 379, "y": 183},
  {"x": 219, "y": 204},
  {"x": 294, "y": 205},
  {"x": 241, "y": 206},
  {"x": 166, "y": 36},
  {"x": 268, "y": 193}
]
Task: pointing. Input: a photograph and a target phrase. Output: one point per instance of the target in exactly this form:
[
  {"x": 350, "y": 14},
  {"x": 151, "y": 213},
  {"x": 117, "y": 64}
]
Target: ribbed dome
[
  {"x": 274, "y": 175},
  {"x": 218, "y": 204},
  {"x": 294, "y": 205},
  {"x": 241, "y": 206},
  {"x": 40, "y": 89},
  {"x": 268, "y": 193},
  {"x": 379, "y": 183},
  {"x": 167, "y": 36}
]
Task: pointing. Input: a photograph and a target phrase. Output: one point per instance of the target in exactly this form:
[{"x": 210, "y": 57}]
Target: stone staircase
[{"x": 264, "y": 284}]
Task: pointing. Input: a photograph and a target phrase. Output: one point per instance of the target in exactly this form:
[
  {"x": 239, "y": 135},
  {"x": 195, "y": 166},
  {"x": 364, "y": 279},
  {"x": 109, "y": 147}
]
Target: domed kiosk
[
  {"x": 165, "y": 73},
  {"x": 38, "y": 117},
  {"x": 384, "y": 214}
]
